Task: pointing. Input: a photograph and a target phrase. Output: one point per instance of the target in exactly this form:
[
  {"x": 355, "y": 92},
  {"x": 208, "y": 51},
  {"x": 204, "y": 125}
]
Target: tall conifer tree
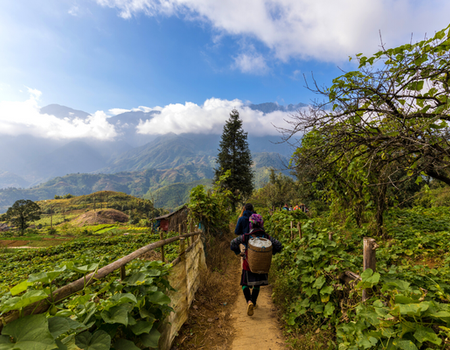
[{"x": 234, "y": 155}]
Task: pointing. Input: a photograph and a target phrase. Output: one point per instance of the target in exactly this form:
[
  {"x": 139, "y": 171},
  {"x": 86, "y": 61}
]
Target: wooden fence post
[
  {"x": 123, "y": 273},
  {"x": 292, "y": 233},
  {"x": 191, "y": 230},
  {"x": 161, "y": 237},
  {"x": 299, "y": 228},
  {"x": 180, "y": 232},
  {"x": 369, "y": 261},
  {"x": 182, "y": 249}
]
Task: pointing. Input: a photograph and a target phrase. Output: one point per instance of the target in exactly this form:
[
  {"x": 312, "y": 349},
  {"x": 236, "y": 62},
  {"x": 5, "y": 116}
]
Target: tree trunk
[
  {"x": 359, "y": 209},
  {"x": 381, "y": 207}
]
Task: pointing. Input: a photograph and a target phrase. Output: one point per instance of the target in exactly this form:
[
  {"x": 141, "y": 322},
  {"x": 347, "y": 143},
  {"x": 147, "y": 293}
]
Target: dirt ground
[
  {"x": 262, "y": 330},
  {"x": 218, "y": 317},
  {"x": 104, "y": 216},
  {"x": 44, "y": 242},
  {"x": 13, "y": 243}
]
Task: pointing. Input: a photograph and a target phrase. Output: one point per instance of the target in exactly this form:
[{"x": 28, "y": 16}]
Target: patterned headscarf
[{"x": 256, "y": 220}]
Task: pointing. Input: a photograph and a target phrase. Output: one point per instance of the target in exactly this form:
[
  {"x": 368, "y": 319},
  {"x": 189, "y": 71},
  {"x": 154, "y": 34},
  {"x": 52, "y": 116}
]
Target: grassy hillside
[
  {"x": 174, "y": 195},
  {"x": 132, "y": 183},
  {"x": 170, "y": 187}
]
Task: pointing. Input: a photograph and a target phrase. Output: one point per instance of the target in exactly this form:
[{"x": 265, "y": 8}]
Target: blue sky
[{"x": 102, "y": 56}]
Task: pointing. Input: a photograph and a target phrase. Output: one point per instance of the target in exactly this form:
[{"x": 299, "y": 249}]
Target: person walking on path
[
  {"x": 250, "y": 281},
  {"x": 242, "y": 225}
]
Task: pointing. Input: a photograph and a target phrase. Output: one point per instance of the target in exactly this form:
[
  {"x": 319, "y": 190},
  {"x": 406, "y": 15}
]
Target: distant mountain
[
  {"x": 16, "y": 152},
  {"x": 269, "y": 160},
  {"x": 164, "y": 159},
  {"x": 132, "y": 117},
  {"x": 263, "y": 162},
  {"x": 168, "y": 151},
  {"x": 270, "y": 107},
  {"x": 126, "y": 123},
  {"x": 136, "y": 183},
  {"x": 63, "y": 112},
  {"x": 8, "y": 179},
  {"x": 74, "y": 157},
  {"x": 169, "y": 187}
]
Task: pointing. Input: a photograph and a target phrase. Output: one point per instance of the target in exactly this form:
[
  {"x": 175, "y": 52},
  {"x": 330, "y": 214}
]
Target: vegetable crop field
[
  {"x": 108, "y": 314},
  {"x": 410, "y": 305}
]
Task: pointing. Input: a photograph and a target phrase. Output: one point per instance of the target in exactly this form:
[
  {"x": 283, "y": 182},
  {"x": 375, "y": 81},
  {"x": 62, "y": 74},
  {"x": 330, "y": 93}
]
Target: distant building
[{"x": 171, "y": 222}]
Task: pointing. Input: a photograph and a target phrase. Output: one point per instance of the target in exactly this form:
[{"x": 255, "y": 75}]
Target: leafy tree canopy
[
  {"x": 211, "y": 207},
  {"x": 280, "y": 190},
  {"x": 382, "y": 125},
  {"x": 22, "y": 212}
]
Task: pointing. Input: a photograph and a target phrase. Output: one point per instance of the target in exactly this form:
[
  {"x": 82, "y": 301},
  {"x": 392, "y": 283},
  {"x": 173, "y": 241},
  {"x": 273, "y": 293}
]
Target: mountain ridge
[
  {"x": 49, "y": 167},
  {"x": 142, "y": 183}
]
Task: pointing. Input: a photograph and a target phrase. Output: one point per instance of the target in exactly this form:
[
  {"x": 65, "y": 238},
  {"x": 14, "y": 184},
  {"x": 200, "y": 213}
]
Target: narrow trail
[
  {"x": 260, "y": 331},
  {"x": 218, "y": 317}
]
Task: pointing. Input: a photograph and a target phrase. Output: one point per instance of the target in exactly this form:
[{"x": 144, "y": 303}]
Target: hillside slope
[
  {"x": 139, "y": 183},
  {"x": 133, "y": 183}
]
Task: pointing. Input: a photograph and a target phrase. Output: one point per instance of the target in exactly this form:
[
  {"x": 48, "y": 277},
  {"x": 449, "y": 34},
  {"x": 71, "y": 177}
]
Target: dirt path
[
  {"x": 218, "y": 317},
  {"x": 260, "y": 331}
]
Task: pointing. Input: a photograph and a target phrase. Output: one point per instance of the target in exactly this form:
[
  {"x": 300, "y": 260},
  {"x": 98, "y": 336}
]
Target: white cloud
[
  {"x": 251, "y": 63},
  {"x": 296, "y": 74},
  {"x": 327, "y": 30},
  {"x": 116, "y": 111},
  {"x": 23, "y": 117},
  {"x": 210, "y": 118}
]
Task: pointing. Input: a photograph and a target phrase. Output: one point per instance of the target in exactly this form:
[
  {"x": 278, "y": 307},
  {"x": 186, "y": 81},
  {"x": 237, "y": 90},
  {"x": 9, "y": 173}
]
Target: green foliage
[
  {"x": 22, "y": 212},
  {"x": 109, "y": 313},
  {"x": 211, "y": 208},
  {"x": 409, "y": 308},
  {"x": 309, "y": 265},
  {"x": 16, "y": 264},
  {"x": 437, "y": 194},
  {"x": 234, "y": 156},
  {"x": 387, "y": 130},
  {"x": 174, "y": 195},
  {"x": 280, "y": 190}
]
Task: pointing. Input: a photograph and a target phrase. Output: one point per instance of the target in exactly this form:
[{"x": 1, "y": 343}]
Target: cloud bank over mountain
[
  {"x": 27, "y": 117},
  {"x": 18, "y": 118},
  {"x": 325, "y": 30},
  {"x": 210, "y": 118}
]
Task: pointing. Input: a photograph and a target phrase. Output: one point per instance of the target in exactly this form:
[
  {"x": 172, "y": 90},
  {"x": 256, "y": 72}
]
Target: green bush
[{"x": 52, "y": 231}]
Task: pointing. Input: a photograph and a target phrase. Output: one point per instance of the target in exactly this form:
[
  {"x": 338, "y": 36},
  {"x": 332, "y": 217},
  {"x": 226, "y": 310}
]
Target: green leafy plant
[{"x": 110, "y": 314}]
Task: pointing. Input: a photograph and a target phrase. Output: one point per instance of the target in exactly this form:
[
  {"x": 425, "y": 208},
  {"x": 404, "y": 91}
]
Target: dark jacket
[
  {"x": 243, "y": 223},
  {"x": 234, "y": 246}
]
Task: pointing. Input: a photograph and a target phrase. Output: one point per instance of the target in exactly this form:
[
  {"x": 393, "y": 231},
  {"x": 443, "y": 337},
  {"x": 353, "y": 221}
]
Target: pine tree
[{"x": 234, "y": 155}]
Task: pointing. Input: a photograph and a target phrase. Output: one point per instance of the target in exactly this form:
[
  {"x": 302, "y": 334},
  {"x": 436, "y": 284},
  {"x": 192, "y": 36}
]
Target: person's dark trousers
[{"x": 251, "y": 295}]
